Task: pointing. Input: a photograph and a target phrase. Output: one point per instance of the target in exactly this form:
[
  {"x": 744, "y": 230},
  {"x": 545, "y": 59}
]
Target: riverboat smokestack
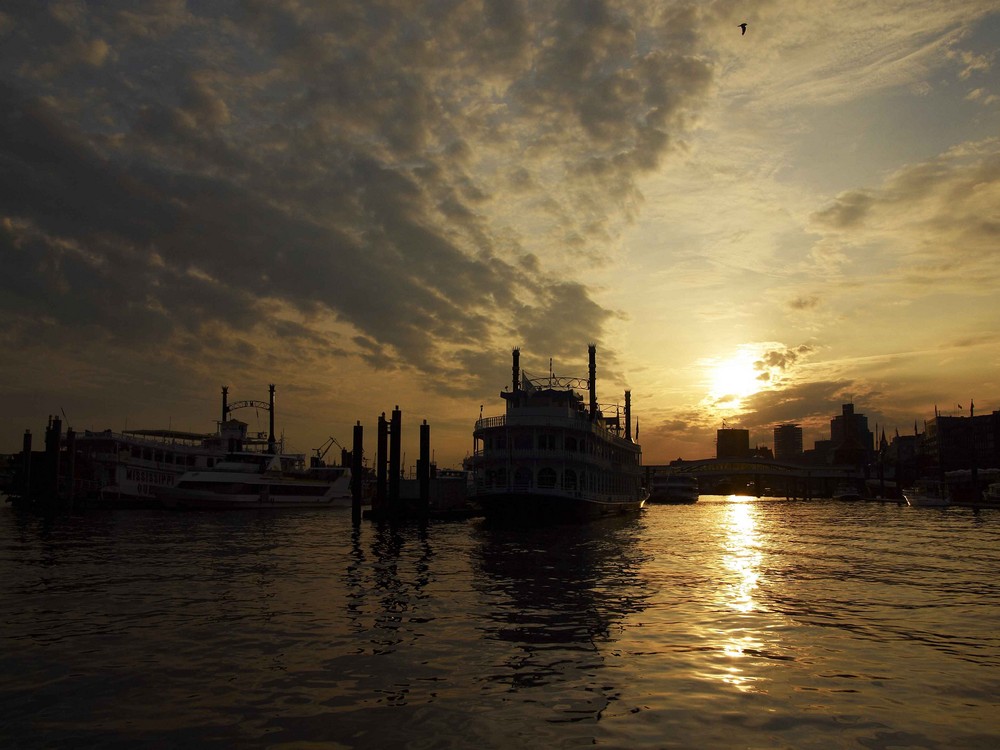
[
  {"x": 516, "y": 370},
  {"x": 225, "y": 403},
  {"x": 628, "y": 416},
  {"x": 592, "y": 376},
  {"x": 270, "y": 435}
]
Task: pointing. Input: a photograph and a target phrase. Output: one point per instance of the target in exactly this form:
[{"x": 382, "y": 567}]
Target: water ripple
[{"x": 750, "y": 623}]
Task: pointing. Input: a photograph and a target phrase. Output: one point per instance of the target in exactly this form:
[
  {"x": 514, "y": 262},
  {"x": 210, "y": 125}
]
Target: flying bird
[{"x": 744, "y": 27}]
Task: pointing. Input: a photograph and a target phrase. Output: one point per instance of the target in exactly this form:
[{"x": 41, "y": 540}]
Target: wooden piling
[
  {"x": 24, "y": 481},
  {"x": 379, "y": 501},
  {"x": 424, "y": 469},
  {"x": 395, "y": 451},
  {"x": 357, "y": 469}
]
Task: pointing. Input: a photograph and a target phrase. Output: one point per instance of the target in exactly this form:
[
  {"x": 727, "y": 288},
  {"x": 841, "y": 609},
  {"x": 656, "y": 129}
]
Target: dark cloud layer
[{"x": 171, "y": 170}]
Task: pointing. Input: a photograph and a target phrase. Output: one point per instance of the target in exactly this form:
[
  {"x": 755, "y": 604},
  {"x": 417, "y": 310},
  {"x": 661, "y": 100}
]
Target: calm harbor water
[{"x": 732, "y": 623}]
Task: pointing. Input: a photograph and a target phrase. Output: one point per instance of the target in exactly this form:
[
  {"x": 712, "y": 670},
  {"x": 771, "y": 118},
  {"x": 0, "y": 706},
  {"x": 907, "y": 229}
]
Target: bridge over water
[{"x": 762, "y": 476}]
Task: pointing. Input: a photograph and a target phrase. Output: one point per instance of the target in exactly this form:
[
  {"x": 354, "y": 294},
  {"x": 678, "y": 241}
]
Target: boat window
[
  {"x": 569, "y": 479},
  {"x": 522, "y": 478},
  {"x": 501, "y": 478},
  {"x": 547, "y": 478},
  {"x": 571, "y": 443}
]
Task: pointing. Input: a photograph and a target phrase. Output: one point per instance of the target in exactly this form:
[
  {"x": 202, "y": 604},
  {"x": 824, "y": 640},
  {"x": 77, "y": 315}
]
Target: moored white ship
[
  {"x": 253, "y": 480},
  {"x": 130, "y": 466},
  {"x": 552, "y": 456},
  {"x": 127, "y": 468},
  {"x": 847, "y": 491},
  {"x": 673, "y": 489},
  {"x": 927, "y": 493}
]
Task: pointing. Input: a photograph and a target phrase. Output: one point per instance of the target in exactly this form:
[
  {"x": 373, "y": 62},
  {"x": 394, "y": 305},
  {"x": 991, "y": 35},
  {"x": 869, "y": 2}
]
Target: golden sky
[{"x": 369, "y": 204}]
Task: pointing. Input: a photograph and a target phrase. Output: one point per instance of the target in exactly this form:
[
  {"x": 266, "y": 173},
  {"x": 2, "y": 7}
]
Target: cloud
[
  {"x": 938, "y": 219},
  {"x": 983, "y": 96},
  {"x": 299, "y": 176},
  {"x": 804, "y": 303},
  {"x": 972, "y": 63},
  {"x": 781, "y": 359}
]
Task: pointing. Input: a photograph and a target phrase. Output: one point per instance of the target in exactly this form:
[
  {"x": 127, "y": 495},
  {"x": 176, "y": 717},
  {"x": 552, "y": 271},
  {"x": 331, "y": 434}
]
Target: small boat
[
  {"x": 552, "y": 457},
  {"x": 673, "y": 489},
  {"x": 927, "y": 493},
  {"x": 849, "y": 492},
  {"x": 991, "y": 495},
  {"x": 253, "y": 480}
]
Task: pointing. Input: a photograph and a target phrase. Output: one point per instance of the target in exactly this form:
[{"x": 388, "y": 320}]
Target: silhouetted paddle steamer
[{"x": 550, "y": 456}]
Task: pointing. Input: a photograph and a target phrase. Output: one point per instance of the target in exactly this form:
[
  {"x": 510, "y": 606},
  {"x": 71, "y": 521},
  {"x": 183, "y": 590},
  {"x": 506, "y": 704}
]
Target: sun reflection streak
[
  {"x": 742, "y": 553},
  {"x": 743, "y": 558}
]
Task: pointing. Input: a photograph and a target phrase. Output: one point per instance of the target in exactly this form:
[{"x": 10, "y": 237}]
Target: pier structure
[
  {"x": 430, "y": 495},
  {"x": 763, "y": 476}
]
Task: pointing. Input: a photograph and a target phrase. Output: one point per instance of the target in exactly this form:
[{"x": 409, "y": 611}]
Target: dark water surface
[{"x": 732, "y": 623}]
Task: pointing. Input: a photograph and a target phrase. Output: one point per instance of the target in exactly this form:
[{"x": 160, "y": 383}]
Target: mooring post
[
  {"x": 379, "y": 503},
  {"x": 53, "y": 436},
  {"x": 357, "y": 469},
  {"x": 25, "y": 479},
  {"x": 395, "y": 446},
  {"x": 71, "y": 463},
  {"x": 424, "y": 468}
]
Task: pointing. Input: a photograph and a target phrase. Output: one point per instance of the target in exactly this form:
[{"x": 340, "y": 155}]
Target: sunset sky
[{"x": 369, "y": 204}]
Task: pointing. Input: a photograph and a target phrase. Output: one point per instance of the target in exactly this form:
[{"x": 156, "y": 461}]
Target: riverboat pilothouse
[{"x": 552, "y": 456}]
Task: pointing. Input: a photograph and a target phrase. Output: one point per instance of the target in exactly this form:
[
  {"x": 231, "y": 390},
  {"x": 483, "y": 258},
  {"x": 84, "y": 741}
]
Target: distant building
[
  {"x": 955, "y": 443},
  {"x": 820, "y": 453},
  {"x": 853, "y": 442},
  {"x": 732, "y": 443},
  {"x": 788, "y": 442},
  {"x": 901, "y": 458}
]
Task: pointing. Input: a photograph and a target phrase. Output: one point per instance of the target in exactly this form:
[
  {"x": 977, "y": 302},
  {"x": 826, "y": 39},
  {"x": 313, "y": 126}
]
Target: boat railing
[
  {"x": 548, "y": 420},
  {"x": 557, "y": 455}
]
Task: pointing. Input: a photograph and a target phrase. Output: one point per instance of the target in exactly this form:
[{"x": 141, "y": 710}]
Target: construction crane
[{"x": 324, "y": 449}]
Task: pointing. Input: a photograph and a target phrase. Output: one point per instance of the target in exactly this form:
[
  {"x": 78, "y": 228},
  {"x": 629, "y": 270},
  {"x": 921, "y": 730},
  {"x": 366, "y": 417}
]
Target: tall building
[
  {"x": 732, "y": 443},
  {"x": 853, "y": 443},
  {"x": 787, "y": 442}
]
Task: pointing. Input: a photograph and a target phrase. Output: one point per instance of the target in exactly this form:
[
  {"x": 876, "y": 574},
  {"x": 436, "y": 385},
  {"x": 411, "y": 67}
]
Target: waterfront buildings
[
  {"x": 788, "y": 442},
  {"x": 732, "y": 443}
]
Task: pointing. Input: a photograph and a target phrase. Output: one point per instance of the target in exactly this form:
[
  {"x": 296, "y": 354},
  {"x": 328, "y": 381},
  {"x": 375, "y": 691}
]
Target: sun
[{"x": 733, "y": 379}]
